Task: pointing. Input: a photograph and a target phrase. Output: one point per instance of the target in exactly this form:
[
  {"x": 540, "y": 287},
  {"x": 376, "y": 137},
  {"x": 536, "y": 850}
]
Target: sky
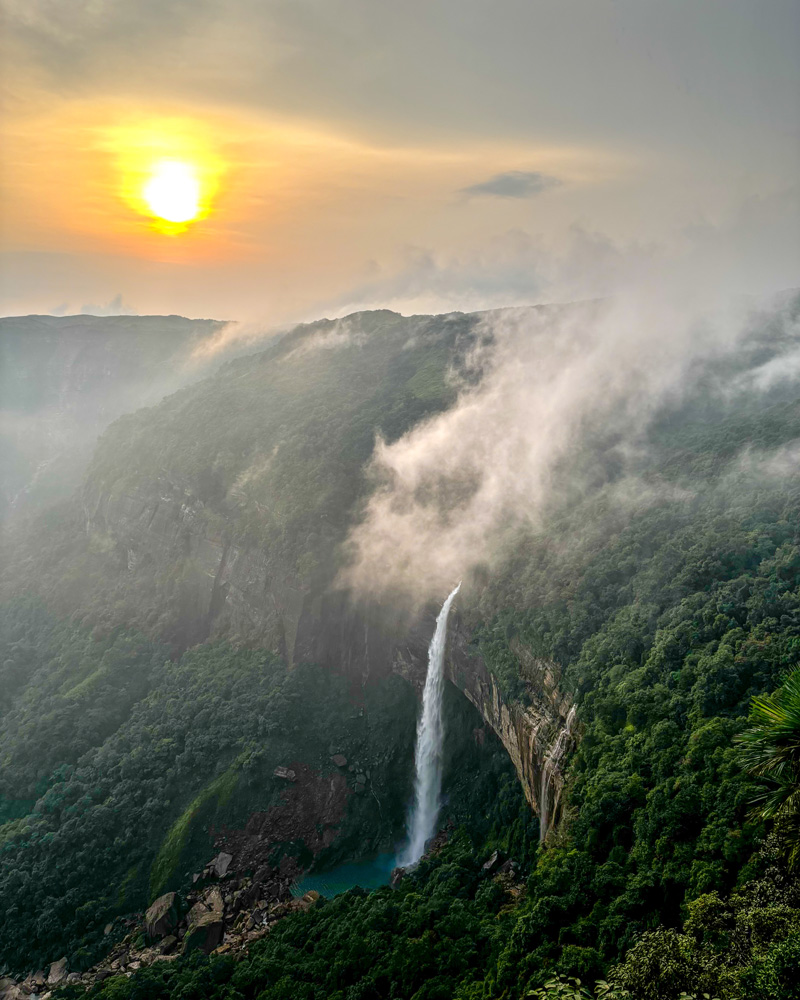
[{"x": 428, "y": 155}]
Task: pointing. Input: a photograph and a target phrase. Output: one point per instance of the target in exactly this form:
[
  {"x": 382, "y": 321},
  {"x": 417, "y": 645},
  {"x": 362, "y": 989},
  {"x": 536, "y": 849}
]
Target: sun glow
[
  {"x": 169, "y": 172},
  {"x": 173, "y": 192}
]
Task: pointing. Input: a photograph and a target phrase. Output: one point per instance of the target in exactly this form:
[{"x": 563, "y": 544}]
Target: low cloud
[
  {"x": 511, "y": 269},
  {"x": 115, "y": 307},
  {"x": 512, "y": 184},
  {"x": 454, "y": 493},
  {"x": 330, "y": 337},
  {"x": 234, "y": 338}
]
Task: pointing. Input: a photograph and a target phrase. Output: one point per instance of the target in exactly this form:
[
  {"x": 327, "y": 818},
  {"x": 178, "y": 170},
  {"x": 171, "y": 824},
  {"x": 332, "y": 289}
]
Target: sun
[
  {"x": 169, "y": 171},
  {"x": 173, "y": 191}
]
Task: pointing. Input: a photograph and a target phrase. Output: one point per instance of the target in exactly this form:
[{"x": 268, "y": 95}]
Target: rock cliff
[
  {"x": 211, "y": 587},
  {"x": 537, "y": 736}
]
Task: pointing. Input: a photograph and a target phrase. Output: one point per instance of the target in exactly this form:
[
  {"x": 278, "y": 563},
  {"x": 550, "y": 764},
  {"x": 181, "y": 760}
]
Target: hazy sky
[{"x": 423, "y": 155}]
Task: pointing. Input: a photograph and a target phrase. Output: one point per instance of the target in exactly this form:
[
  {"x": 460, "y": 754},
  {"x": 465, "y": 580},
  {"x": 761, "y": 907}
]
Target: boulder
[
  {"x": 205, "y": 923},
  {"x": 204, "y": 929},
  {"x": 339, "y": 760},
  {"x": 490, "y": 867},
  {"x": 286, "y": 773},
  {"x": 193, "y": 915},
  {"x": 396, "y": 877},
  {"x": 167, "y": 944},
  {"x": 220, "y": 864},
  {"x": 162, "y": 916},
  {"x": 213, "y": 900},
  {"x": 58, "y": 971}
]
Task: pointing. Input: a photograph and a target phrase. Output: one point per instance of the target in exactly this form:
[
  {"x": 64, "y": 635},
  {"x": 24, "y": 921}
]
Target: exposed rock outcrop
[
  {"x": 205, "y": 924},
  {"x": 221, "y": 863},
  {"x": 162, "y": 916},
  {"x": 57, "y": 973},
  {"x": 236, "y": 591},
  {"x": 537, "y": 736},
  {"x": 223, "y": 918},
  {"x": 311, "y": 809}
]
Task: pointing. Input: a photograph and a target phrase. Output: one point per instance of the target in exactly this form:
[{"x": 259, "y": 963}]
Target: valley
[{"x": 190, "y": 670}]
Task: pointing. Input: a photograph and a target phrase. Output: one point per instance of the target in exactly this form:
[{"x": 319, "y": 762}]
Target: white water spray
[{"x": 428, "y": 751}]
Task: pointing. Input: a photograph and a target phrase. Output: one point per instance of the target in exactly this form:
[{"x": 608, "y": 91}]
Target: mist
[
  {"x": 65, "y": 379},
  {"x": 455, "y": 492}
]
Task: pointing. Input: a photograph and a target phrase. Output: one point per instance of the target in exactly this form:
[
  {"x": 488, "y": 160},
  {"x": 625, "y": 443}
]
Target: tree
[{"x": 770, "y": 750}]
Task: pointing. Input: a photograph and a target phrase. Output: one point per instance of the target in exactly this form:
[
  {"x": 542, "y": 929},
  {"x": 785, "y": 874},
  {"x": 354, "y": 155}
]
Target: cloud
[
  {"x": 235, "y": 338},
  {"x": 512, "y": 184},
  {"x": 505, "y": 67},
  {"x": 510, "y": 269},
  {"x": 766, "y": 468},
  {"x": 755, "y": 251},
  {"x": 454, "y": 493},
  {"x": 115, "y": 307}
]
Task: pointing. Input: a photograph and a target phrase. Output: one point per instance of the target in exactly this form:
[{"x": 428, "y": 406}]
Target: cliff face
[
  {"x": 181, "y": 577},
  {"x": 220, "y": 513},
  {"x": 223, "y": 508},
  {"x": 537, "y": 736},
  {"x": 210, "y": 587},
  {"x": 175, "y": 572}
]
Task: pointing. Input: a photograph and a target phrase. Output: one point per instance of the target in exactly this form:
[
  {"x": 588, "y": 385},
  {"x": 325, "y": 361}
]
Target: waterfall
[
  {"x": 551, "y": 764},
  {"x": 428, "y": 751}
]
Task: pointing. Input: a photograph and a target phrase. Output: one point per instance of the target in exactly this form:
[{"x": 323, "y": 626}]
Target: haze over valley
[{"x": 400, "y": 501}]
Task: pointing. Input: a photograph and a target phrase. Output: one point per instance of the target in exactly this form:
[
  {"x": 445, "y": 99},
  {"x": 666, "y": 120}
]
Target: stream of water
[
  {"x": 370, "y": 873},
  {"x": 428, "y": 751}
]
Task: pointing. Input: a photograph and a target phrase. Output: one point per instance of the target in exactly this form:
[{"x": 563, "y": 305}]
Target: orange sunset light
[{"x": 169, "y": 173}]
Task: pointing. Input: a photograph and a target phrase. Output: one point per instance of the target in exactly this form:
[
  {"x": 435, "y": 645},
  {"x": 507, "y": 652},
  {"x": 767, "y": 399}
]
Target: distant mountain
[{"x": 64, "y": 379}]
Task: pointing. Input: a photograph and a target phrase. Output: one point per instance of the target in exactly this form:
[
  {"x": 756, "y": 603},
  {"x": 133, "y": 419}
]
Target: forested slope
[{"x": 662, "y": 581}]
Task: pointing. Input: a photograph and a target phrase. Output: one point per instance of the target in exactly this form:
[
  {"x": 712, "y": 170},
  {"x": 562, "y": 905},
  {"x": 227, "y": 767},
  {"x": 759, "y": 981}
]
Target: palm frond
[{"x": 770, "y": 750}]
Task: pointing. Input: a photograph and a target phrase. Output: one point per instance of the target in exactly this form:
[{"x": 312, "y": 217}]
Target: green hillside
[{"x": 176, "y": 634}]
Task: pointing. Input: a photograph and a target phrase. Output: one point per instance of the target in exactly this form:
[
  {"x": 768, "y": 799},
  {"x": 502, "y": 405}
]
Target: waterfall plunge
[{"x": 428, "y": 751}]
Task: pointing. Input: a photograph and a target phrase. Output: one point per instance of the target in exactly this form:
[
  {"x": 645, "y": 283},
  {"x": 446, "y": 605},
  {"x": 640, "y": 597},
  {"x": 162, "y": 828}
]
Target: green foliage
[
  {"x": 735, "y": 947},
  {"x": 561, "y": 988},
  {"x": 127, "y": 811},
  {"x": 166, "y": 862},
  {"x": 131, "y": 816},
  {"x": 770, "y": 750},
  {"x": 663, "y": 586},
  {"x": 75, "y": 686},
  {"x": 439, "y": 927}
]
